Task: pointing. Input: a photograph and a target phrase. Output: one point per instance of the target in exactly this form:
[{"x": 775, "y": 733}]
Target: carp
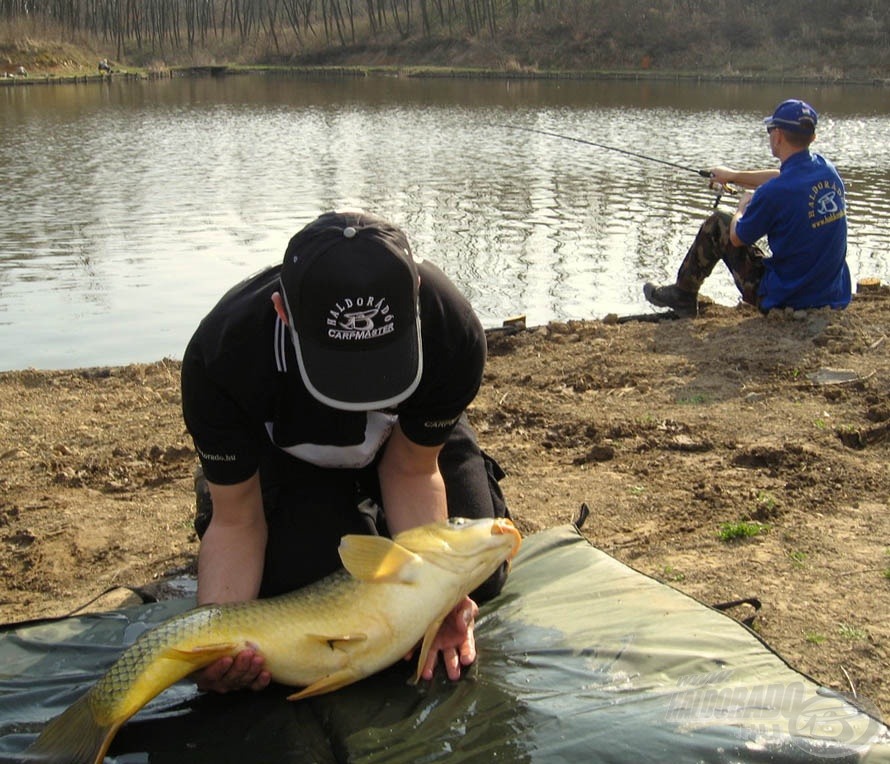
[{"x": 391, "y": 595}]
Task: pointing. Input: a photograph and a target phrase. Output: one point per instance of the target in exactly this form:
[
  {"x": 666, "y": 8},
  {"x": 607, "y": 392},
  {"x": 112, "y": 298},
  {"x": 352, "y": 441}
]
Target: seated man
[{"x": 801, "y": 210}]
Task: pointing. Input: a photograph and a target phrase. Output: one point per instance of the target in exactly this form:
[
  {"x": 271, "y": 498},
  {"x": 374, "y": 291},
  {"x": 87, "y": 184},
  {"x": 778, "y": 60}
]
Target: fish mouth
[{"x": 504, "y": 527}]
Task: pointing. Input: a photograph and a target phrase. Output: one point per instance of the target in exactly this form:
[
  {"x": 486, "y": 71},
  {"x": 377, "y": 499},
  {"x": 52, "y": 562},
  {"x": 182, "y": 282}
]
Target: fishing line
[{"x": 701, "y": 173}]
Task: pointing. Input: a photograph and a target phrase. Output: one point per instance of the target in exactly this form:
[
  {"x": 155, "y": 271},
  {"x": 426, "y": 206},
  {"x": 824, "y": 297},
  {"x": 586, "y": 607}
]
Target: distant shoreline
[{"x": 440, "y": 72}]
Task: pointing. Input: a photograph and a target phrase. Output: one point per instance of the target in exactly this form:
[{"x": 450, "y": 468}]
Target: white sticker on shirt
[{"x": 377, "y": 429}]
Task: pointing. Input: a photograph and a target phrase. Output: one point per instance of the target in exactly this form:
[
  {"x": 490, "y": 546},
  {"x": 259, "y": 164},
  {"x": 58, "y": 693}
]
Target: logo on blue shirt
[{"x": 826, "y": 203}]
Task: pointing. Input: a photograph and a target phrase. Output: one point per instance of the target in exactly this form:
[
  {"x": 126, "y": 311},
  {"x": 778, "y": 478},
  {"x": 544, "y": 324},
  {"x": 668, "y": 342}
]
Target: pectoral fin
[
  {"x": 328, "y": 684},
  {"x": 203, "y": 655},
  {"x": 332, "y": 640},
  {"x": 425, "y": 647},
  {"x": 376, "y": 559}
]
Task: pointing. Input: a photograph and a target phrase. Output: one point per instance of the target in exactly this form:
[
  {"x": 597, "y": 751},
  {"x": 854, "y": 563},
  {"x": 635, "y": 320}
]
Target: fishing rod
[{"x": 720, "y": 188}]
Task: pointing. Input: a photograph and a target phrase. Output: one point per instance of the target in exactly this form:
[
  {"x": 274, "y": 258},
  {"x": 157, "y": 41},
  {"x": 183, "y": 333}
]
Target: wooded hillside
[{"x": 837, "y": 39}]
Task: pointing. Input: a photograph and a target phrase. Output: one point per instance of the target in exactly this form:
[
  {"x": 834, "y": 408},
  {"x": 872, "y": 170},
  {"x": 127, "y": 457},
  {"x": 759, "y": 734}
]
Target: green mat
[{"x": 581, "y": 659}]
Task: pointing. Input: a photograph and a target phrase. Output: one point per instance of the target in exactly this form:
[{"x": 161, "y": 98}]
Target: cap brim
[
  {"x": 362, "y": 380},
  {"x": 792, "y": 127}
]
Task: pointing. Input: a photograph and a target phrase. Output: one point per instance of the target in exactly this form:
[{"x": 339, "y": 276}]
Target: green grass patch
[
  {"x": 798, "y": 558},
  {"x": 741, "y": 529},
  {"x": 670, "y": 573},
  {"x": 853, "y": 633}
]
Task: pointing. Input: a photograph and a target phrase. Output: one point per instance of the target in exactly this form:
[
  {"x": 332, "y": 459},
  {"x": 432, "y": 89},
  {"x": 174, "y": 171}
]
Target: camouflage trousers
[{"x": 712, "y": 245}]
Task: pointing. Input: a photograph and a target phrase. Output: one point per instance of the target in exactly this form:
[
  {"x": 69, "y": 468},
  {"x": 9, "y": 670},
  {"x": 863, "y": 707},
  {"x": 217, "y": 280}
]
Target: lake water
[{"x": 130, "y": 207}]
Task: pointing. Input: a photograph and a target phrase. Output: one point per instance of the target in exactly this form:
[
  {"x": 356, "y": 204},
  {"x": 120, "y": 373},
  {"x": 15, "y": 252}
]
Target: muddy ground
[{"x": 668, "y": 431}]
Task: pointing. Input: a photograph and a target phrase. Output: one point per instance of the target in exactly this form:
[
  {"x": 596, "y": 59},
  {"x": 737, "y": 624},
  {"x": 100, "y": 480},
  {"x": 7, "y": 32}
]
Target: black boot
[{"x": 683, "y": 303}]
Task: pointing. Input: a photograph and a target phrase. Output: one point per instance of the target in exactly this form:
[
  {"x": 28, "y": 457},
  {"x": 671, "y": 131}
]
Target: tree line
[
  {"x": 174, "y": 25},
  {"x": 651, "y": 28}
]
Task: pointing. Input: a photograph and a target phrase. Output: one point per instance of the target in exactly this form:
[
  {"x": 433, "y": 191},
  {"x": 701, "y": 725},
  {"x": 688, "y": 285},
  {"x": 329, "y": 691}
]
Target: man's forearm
[
  {"x": 417, "y": 501},
  {"x": 751, "y": 178},
  {"x": 744, "y": 201},
  {"x": 230, "y": 564},
  {"x": 411, "y": 485},
  {"x": 233, "y": 549}
]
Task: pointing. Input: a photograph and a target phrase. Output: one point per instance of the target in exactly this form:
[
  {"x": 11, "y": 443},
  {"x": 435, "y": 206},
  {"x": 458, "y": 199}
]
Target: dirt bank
[{"x": 668, "y": 431}]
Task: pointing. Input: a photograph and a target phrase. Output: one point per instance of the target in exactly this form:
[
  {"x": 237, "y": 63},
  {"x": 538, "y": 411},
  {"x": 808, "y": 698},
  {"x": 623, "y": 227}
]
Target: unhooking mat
[{"x": 581, "y": 659}]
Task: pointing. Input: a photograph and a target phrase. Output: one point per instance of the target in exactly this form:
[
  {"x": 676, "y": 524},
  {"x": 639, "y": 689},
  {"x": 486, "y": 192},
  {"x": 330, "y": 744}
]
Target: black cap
[{"x": 350, "y": 285}]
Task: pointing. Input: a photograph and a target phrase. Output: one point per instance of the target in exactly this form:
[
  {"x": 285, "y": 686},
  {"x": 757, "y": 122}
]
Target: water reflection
[{"x": 136, "y": 205}]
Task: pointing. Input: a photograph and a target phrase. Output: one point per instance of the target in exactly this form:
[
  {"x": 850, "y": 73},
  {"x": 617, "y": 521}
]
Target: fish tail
[
  {"x": 83, "y": 732},
  {"x": 74, "y": 737}
]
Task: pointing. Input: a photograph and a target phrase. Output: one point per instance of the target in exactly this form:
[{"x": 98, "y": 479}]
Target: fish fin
[
  {"x": 203, "y": 655},
  {"x": 326, "y": 684},
  {"x": 74, "y": 736},
  {"x": 332, "y": 640},
  {"x": 425, "y": 647},
  {"x": 378, "y": 560}
]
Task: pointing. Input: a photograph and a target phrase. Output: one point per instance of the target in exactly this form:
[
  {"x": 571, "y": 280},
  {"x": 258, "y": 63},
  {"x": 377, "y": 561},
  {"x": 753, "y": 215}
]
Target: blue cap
[{"x": 794, "y": 116}]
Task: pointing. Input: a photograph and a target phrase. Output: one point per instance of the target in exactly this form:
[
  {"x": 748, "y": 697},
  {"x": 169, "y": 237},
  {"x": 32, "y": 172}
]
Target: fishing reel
[
  {"x": 718, "y": 188},
  {"x": 721, "y": 189}
]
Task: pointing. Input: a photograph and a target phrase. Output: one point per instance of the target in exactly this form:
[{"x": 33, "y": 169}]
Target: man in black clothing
[{"x": 326, "y": 396}]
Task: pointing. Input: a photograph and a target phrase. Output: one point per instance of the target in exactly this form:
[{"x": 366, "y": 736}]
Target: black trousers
[{"x": 308, "y": 509}]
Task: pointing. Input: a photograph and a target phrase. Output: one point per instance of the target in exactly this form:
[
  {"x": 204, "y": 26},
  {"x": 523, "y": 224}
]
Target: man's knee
[
  {"x": 491, "y": 587},
  {"x": 471, "y": 477},
  {"x": 719, "y": 219},
  {"x": 203, "y": 503}
]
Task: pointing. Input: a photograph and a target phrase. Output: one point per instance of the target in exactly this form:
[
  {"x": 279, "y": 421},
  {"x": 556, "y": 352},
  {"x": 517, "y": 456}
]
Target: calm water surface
[{"x": 130, "y": 207}]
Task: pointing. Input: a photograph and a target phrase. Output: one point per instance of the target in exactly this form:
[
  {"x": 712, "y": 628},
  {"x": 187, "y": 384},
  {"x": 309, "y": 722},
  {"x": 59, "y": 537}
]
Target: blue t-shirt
[{"x": 803, "y": 214}]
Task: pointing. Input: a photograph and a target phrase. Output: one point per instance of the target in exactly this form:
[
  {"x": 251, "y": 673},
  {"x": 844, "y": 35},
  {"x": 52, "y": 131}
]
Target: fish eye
[{"x": 457, "y": 521}]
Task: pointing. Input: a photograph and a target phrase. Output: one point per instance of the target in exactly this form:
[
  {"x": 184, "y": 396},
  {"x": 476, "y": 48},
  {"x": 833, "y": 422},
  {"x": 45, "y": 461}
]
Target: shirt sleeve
[
  {"x": 757, "y": 219},
  {"x": 225, "y": 442},
  {"x": 451, "y": 379}
]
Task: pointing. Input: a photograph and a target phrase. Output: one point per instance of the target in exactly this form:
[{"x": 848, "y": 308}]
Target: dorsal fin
[{"x": 377, "y": 559}]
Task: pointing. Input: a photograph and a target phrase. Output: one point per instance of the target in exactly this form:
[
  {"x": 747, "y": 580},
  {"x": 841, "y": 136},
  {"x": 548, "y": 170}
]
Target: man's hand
[
  {"x": 244, "y": 671},
  {"x": 722, "y": 175},
  {"x": 455, "y": 641}
]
